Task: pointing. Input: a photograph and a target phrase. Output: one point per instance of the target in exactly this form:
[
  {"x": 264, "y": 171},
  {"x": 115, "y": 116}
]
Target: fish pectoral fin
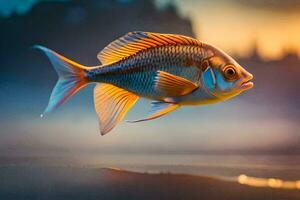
[
  {"x": 111, "y": 105},
  {"x": 158, "y": 109},
  {"x": 172, "y": 85}
]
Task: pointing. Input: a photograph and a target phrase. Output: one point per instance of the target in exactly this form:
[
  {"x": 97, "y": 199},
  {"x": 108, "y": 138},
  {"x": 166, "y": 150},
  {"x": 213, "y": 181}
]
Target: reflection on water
[
  {"x": 268, "y": 182},
  {"x": 227, "y": 166}
]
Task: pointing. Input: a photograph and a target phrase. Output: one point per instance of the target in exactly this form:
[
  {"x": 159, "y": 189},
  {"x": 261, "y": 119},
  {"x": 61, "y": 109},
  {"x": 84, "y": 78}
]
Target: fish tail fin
[{"x": 71, "y": 78}]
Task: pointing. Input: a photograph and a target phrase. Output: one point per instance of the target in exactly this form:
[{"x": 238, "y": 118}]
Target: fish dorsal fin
[
  {"x": 172, "y": 85},
  {"x": 111, "y": 105},
  {"x": 134, "y": 42},
  {"x": 158, "y": 109}
]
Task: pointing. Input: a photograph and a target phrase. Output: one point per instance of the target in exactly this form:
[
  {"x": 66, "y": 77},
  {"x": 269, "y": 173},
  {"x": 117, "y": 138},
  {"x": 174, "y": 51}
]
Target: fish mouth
[{"x": 246, "y": 85}]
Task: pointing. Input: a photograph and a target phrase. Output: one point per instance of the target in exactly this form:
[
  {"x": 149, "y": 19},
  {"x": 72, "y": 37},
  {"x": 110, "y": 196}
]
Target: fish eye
[{"x": 230, "y": 73}]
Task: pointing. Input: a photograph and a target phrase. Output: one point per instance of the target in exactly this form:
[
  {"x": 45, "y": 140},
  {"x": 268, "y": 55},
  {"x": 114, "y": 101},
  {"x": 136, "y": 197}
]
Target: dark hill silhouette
[{"x": 78, "y": 29}]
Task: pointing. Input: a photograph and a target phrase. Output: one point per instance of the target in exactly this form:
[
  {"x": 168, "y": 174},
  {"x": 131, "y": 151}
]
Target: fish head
[{"x": 224, "y": 77}]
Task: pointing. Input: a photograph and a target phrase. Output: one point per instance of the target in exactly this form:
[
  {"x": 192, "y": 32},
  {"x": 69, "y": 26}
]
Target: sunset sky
[{"x": 272, "y": 25}]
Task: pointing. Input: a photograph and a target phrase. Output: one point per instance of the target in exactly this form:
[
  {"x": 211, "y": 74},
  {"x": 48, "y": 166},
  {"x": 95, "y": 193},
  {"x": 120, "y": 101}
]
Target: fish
[{"x": 169, "y": 69}]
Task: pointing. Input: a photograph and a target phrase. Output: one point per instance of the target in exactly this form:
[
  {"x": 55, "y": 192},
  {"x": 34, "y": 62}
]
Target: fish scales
[{"x": 137, "y": 72}]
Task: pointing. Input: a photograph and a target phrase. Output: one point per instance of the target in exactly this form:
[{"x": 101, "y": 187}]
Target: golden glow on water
[
  {"x": 115, "y": 168},
  {"x": 268, "y": 182}
]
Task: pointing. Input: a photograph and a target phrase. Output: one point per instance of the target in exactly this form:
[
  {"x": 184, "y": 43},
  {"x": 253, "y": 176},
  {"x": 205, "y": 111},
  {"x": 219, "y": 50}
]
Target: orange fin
[
  {"x": 111, "y": 105},
  {"x": 173, "y": 85},
  {"x": 72, "y": 77},
  {"x": 158, "y": 109},
  {"x": 134, "y": 42}
]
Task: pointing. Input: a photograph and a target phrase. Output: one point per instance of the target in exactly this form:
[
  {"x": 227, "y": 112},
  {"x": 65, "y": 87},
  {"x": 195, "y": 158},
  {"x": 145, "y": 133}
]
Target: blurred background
[{"x": 256, "y": 133}]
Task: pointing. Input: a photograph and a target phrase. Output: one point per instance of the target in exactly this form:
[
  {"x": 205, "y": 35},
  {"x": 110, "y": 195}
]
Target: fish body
[
  {"x": 172, "y": 70},
  {"x": 137, "y": 73}
]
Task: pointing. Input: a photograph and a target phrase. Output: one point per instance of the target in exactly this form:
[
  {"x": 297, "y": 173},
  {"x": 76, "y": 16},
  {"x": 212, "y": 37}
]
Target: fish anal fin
[
  {"x": 172, "y": 85},
  {"x": 134, "y": 42},
  {"x": 158, "y": 109},
  {"x": 111, "y": 105}
]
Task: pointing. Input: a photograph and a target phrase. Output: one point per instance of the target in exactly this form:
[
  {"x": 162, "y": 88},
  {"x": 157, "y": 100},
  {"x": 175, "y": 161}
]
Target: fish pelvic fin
[
  {"x": 158, "y": 109},
  {"x": 111, "y": 105},
  {"x": 71, "y": 78}
]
